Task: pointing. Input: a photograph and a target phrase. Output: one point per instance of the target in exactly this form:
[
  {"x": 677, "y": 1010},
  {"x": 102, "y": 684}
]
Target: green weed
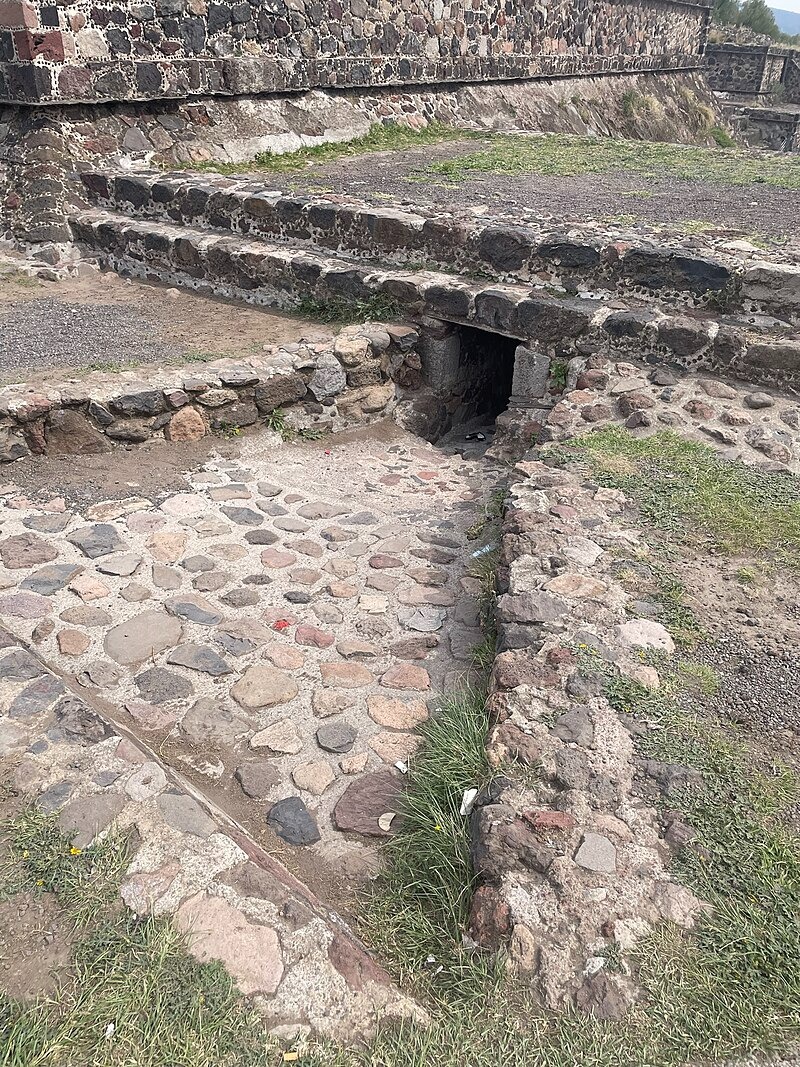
[
  {"x": 377, "y": 308},
  {"x": 41, "y": 859},
  {"x": 721, "y": 137}
]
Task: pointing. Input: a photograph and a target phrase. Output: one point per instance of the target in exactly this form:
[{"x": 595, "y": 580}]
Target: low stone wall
[
  {"x": 86, "y": 51},
  {"x": 571, "y": 858},
  {"x": 673, "y": 276},
  {"x": 559, "y": 327},
  {"x": 312, "y": 388},
  {"x": 574, "y": 846}
]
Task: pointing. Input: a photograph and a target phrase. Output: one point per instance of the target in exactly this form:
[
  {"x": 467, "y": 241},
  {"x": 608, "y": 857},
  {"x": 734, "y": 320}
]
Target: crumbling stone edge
[
  {"x": 571, "y": 853},
  {"x": 317, "y": 387}
]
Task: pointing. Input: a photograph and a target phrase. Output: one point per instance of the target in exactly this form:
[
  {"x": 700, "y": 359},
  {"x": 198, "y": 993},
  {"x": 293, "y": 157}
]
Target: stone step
[
  {"x": 755, "y": 348},
  {"x": 669, "y": 273}
]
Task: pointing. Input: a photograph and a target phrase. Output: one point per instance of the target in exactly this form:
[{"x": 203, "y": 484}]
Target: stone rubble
[{"x": 87, "y": 415}]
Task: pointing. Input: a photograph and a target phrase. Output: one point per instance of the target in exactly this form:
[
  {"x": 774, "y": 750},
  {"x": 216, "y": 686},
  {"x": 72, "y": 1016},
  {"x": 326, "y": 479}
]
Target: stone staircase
[{"x": 561, "y": 294}]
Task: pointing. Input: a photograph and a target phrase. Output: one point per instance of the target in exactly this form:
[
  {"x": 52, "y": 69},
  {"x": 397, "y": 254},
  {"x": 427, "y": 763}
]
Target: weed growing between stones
[
  {"x": 133, "y": 995},
  {"x": 687, "y": 491},
  {"x": 377, "y": 308},
  {"x": 563, "y": 154},
  {"x": 381, "y": 138},
  {"x": 418, "y": 912}
]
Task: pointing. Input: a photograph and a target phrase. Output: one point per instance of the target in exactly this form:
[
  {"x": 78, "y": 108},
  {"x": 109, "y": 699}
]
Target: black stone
[{"x": 292, "y": 822}]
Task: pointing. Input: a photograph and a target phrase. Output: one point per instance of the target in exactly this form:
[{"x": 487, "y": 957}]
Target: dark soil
[{"x": 744, "y": 210}]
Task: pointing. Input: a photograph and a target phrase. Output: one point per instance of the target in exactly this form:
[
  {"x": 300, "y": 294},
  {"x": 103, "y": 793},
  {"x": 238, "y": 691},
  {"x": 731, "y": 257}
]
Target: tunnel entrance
[{"x": 468, "y": 378}]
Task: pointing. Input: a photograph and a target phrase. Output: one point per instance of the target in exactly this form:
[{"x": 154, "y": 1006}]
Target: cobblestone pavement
[{"x": 276, "y": 631}]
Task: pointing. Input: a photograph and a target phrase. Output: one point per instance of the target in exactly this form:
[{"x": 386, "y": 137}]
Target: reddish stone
[
  {"x": 353, "y": 963},
  {"x": 406, "y": 676},
  {"x": 520, "y": 747},
  {"x": 383, "y": 562},
  {"x": 700, "y": 409},
  {"x": 596, "y": 412},
  {"x": 14, "y": 13},
  {"x": 521, "y": 667},
  {"x": 46, "y": 43},
  {"x": 311, "y": 635},
  {"x": 549, "y": 820},
  {"x": 630, "y": 402},
  {"x": 489, "y": 917},
  {"x": 564, "y": 511},
  {"x": 592, "y": 379},
  {"x": 345, "y": 675},
  {"x": 557, "y": 656},
  {"x": 275, "y": 559}
]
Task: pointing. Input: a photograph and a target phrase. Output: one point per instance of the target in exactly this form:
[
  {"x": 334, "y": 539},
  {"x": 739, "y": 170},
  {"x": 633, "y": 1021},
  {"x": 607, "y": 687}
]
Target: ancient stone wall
[
  {"x": 753, "y": 69},
  {"x": 86, "y": 51}
]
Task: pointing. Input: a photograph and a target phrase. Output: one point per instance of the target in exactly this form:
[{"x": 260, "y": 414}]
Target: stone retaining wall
[
  {"x": 753, "y": 69},
  {"x": 561, "y": 327},
  {"x": 553, "y": 257},
  {"x": 313, "y": 388},
  {"x": 86, "y": 51}
]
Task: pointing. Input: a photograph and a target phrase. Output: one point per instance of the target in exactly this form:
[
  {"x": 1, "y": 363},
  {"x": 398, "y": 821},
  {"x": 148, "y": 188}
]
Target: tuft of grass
[
  {"x": 687, "y": 491},
  {"x": 41, "y": 859},
  {"x": 566, "y": 154},
  {"x": 378, "y": 308},
  {"x": 417, "y": 913},
  {"x": 391, "y": 137},
  {"x": 276, "y": 421},
  {"x": 721, "y": 137}
]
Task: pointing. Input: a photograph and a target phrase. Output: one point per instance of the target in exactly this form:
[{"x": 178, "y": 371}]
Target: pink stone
[
  {"x": 345, "y": 675},
  {"x": 406, "y": 676},
  {"x": 276, "y": 559},
  {"x": 215, "y": 930},
  {"x": 312, "y": 635}
]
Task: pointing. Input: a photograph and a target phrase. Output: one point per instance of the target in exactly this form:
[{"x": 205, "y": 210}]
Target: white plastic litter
[{"x": 468, "y": 801}]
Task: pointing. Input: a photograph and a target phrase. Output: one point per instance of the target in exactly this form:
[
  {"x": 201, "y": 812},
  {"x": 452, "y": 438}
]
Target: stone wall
[
  {"x": 753, "y": 69},
  {"x": 86, "y": 51},
  {"x": 315, "y": 388}
]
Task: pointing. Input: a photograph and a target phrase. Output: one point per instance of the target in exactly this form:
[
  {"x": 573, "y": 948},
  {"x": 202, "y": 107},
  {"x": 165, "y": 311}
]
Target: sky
[{"x": 787, "y": 5}]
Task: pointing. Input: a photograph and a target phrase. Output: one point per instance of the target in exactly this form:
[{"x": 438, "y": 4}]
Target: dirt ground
[
  {"x": 35, "y": 937},
  {"x": 99, "y": 321},
  {"x": 756, "y": 209}
]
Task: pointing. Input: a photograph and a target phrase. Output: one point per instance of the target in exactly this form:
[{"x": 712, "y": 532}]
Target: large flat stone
[
  {"x": 262, "y": 686},
  {"x": 142, "y": 636},
  {"x": 365, "y": 800},
  {"x": 215, "y": 930}
]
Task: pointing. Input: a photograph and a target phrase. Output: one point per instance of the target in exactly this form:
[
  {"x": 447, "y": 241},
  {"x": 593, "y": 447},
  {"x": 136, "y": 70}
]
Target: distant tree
[
  {"x": 759, "y": 18},
  {"x": 726, "y": 12}
]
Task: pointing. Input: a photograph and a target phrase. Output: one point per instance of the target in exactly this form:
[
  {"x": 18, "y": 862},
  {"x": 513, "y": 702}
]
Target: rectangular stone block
[{"x": 531, "y": 372}]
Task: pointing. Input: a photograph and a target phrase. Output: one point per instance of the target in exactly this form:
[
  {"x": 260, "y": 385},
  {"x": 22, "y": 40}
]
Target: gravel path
[{"x": 47, "y": 332}]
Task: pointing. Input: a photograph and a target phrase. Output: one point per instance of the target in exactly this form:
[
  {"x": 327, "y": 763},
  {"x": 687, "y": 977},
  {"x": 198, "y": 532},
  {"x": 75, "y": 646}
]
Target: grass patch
[
  {"x": 687, "y": 491},
  {"x": 381, "y": 138},
  {"x": 563, "y": 154},
  {"x": 721, "y": 137},
  {"x": 40, "y": 859},
  {"x": 377, "y": 308},
  {"x": 135, "y": 997},
  {"x": 419, "y": 909}
]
